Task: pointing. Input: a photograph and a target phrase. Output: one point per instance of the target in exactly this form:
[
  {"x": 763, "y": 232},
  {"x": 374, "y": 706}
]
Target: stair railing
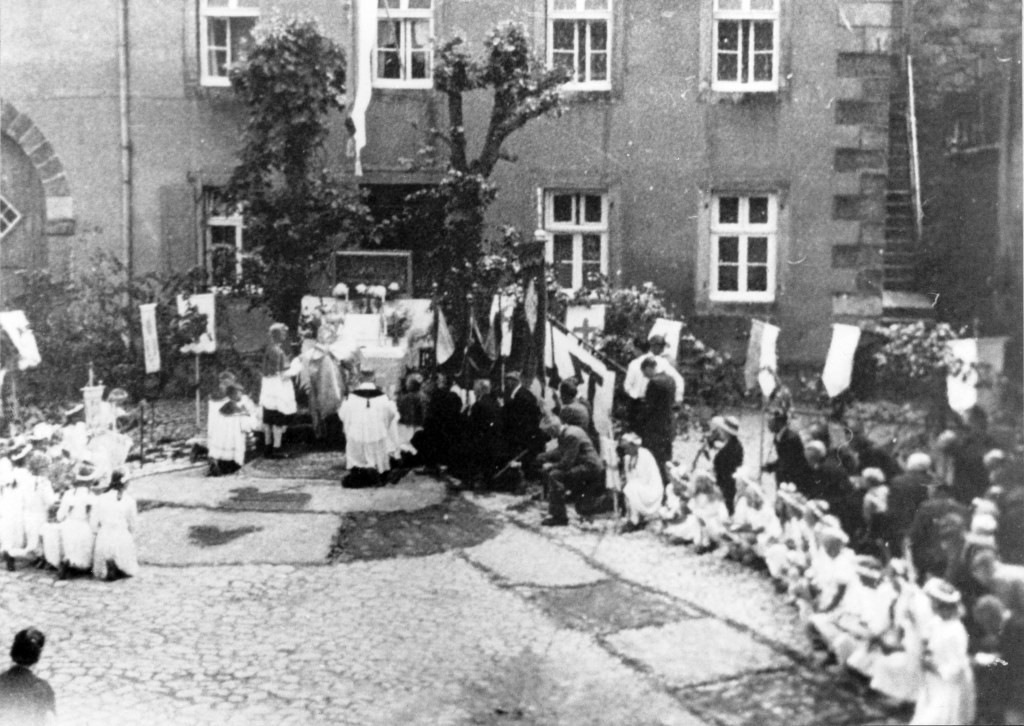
[{"x": 915, "y": 163}]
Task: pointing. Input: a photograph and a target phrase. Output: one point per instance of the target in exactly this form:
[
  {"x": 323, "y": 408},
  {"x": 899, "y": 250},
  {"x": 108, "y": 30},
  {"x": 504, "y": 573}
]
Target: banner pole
[
  {"x": 197, "y": 393},
  {"x": 760, "y": 457},
  {"x": 14, "y": 393}
]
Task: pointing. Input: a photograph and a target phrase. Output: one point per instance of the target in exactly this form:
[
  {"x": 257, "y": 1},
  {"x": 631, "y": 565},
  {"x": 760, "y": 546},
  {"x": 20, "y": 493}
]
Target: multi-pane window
[
  {"x": 579, "y": 40},
  {"x": 746, "y": 45},
  {"x": 225, "y": 34},
  {"x": 9, "y": 217},
  {"x": 743, "y": 247},
  {"x": 577, "y": 227},
  {"x": 403, "y": 56},
  {"x": 225, "y": 242}
]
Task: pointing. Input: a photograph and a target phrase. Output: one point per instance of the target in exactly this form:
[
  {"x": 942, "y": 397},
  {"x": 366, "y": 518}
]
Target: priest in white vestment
[{"x": 370, "y": 421}]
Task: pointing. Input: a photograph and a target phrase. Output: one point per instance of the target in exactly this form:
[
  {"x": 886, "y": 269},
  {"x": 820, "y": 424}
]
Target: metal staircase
[
  {"x": 901, "y": 245},
  {"x": 902, "y": 295}
]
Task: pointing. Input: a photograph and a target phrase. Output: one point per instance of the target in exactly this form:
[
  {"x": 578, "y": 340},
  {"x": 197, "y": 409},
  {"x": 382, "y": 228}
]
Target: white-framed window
[
  {"x": 224, "y": 238},
  {"x": 9, "y": 217},
  {"x": 745, "y": 46},
  {"x": 403, "y": 57},
  {"x": 577, "y": 227},
  {"x": 580, "y": 40},
  {"x": 744, "y": 247},
  {"x": 225, "y": 34}
]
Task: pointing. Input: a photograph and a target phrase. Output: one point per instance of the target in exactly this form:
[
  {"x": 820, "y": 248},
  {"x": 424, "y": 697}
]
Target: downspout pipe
[{"x": 126, "y": 140}]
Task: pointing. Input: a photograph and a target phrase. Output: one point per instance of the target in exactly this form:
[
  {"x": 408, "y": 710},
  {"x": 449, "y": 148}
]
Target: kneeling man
[
  {"x": 573, "y": 470},
  {"x": 370, "y": 420}
]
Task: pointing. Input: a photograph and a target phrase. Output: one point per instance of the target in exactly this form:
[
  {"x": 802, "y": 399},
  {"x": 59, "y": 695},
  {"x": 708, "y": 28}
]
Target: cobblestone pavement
[{"x": 237, "y": 617}]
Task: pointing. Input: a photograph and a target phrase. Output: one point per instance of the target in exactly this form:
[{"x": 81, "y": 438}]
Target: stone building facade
[{"x": 738, "y": 153}]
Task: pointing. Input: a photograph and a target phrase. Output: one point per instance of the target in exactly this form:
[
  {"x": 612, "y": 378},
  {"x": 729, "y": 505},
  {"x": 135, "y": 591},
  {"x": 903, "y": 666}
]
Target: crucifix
[{"x": 584, "y": 331}]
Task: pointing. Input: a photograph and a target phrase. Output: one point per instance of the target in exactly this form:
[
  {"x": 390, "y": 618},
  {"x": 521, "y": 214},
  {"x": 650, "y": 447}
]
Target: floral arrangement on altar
[
  {"x": 368, "y": 299},
  {"x": 397, "y": 324}
]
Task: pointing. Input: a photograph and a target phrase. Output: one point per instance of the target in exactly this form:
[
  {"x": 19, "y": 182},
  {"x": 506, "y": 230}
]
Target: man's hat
[
  {"x": 86, "y": 473},
  {"x": 20, "y": 450},
  {"x": 726, "y": 424},
  {"x": 41, "y": 432},
  {"x": 513, "y": 376},
  {"x": 941, "y": 591}
]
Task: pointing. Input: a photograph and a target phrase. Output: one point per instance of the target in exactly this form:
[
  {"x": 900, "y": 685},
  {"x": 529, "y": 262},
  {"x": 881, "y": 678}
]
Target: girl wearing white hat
[
  {"x": 76, "y": 535},
  {"x": 114, "y": 517},
  {"x": 38, "y": 497},
  {"x": 947, "y": 693},
  {"x": 12, "y": 518},
  {"x": 643, "y": 488}
]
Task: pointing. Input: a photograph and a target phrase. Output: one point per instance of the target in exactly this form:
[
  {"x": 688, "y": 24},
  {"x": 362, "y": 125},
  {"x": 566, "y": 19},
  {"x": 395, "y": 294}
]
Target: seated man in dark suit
[
  {"x": 573, "y": 470},
  {"x": 522, "y": 422}
]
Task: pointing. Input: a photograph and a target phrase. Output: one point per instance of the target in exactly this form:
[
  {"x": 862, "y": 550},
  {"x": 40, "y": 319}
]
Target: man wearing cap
[
  {"x": 729, "y": 458},
  {"x": 574, "y": 470},
  {"x": 522, "y": 422},
  {"x": 25, "y": 698},
  {"x": 370, "y": 420},
  {"x": 635, "y": 383}
]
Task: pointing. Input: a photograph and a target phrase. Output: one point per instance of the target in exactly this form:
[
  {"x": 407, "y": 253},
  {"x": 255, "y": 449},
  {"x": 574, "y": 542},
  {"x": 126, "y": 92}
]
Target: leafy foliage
[
  {"x": 917, "y": 352},
  {"x": 522, "y": 89},
  {"x": 295, "y": 209},
  {"x": 93, "y": 320}
]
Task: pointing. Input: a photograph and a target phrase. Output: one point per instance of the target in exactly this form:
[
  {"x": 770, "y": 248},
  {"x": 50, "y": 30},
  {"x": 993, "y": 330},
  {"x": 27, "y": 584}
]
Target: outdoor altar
[{"x": 386, "y": 335}]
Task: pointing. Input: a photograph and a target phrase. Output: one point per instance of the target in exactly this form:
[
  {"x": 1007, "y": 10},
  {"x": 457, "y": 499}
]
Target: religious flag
[
  {"x": 762, "y": 361},
  {"x": 962, "y": 388},
  {"x": 991, "y": 360},
  {"x": 480, "y": 339},
  {"x": 839, "y": 363},
  {"x": 206, "y": 305},
  {"x": 502, "y": 308},
  {"x": 490, "y": 341},
  {"x": 670, "y": 330},
  {"x": 585, "y": 320},
  {"x": 531, "y": 305},
  {"x": 366, "y": 36},
  {"x": 15, "y": 324},
  {"x": 150, "y": 342},
  {"x": 444, "y": 344},
  {"x": 597, "y": 381}
]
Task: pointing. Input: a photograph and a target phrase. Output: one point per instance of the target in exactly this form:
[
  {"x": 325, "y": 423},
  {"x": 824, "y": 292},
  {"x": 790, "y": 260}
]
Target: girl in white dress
[
  {"x": 643, "y": 488},
  {"x": 277, "y": 392},
  {"x": 38, "y": 497},
  {"x": 76, "y": 535},
  {"x": 12, "y": 518},
  {"x": 705, "y": 524},
  {"x": 114, "y": 517},
  {"x": 947, "y": 692}
]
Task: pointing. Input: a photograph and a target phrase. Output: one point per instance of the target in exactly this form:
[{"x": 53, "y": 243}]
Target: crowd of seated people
[{"x": 908, "y": 572}]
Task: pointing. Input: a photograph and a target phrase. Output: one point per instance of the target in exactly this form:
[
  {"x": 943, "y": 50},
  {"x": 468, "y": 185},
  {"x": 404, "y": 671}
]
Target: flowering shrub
[
  {"x": 397, "y": 324},
  {"x": 917, "y": 352}
]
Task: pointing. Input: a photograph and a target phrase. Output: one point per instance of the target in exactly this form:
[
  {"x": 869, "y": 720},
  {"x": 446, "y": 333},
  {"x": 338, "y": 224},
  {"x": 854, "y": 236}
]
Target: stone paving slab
[
  {"x": 193, "y": 489},
  {"x": 403, "y": 641},
  {"x": 609, "y": 606},
  {"x": 179, "y": 536},
  {"x": 695, "y": 651},
  {"x": 523, "y": 557},
  {"x": 794, "y": 698}
]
